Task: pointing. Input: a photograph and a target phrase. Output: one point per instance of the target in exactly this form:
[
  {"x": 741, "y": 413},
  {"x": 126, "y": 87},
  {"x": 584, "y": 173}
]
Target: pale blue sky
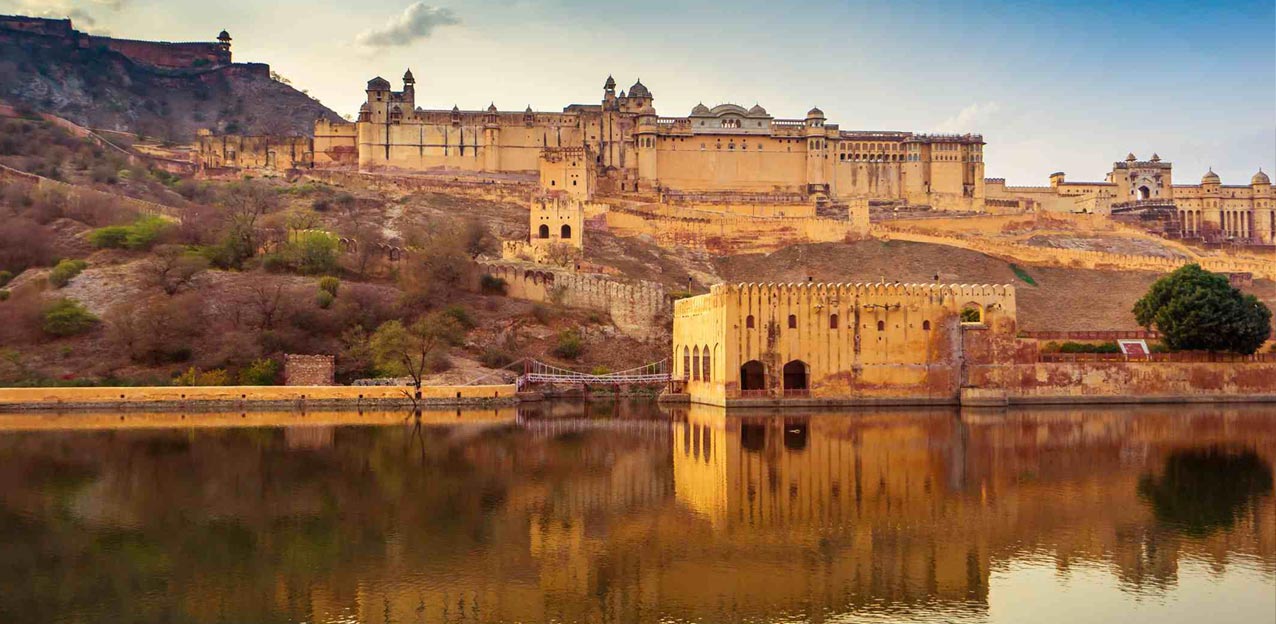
[{"x": 1051, "y": 85}]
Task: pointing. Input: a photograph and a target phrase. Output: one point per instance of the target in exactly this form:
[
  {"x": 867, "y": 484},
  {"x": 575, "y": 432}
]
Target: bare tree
[{"x": 172, "y": 268}]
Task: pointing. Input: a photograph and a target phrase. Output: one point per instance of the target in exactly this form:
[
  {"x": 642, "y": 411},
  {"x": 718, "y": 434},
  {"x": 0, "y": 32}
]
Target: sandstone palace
[{"x": 622, "y": 145}]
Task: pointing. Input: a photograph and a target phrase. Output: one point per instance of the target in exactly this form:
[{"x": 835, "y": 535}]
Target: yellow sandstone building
[
  {"x": 835, "y": 342},
  {"x": 621, "y": 145}
]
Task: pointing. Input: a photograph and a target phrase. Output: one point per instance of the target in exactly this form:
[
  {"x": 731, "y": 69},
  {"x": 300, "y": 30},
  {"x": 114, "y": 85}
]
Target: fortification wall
[
  {"x": 732, "y": 233},
  {"x": 505, "y": 189},
  {"x": 636, "y": 308},
  {"x": 1086, "y": 259},
  {"x": 77, "y": 193},
  {"x": 165, "y": 54},
  {"x": 279, "y": 153}
]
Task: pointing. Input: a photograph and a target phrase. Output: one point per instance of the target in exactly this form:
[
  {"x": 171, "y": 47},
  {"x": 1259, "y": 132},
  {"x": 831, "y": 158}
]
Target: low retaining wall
[
  {"x": 248, "y": 397},
  {"x": 1128, "y": 382}
]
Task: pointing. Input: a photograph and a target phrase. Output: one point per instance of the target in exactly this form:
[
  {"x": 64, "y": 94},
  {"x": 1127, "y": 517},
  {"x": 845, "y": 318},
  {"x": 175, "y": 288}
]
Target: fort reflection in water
[{"x": 624, "y": 512}]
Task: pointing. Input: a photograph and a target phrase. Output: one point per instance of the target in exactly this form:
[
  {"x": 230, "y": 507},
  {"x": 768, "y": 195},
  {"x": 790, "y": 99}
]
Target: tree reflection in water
[{"x": 1204, "y": 490}]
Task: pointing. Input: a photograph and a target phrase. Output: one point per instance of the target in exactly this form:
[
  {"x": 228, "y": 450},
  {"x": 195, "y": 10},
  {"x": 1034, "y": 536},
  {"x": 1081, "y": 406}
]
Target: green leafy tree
[
  {"x": 67, "y": 317},
  {"x": 65, "y": 271},
  {"x": 1194, "y": 309},
  {"x": 407, "y": 350},
  {"x": 263, "y": 372},
  {"x": 315, "y": 253}
]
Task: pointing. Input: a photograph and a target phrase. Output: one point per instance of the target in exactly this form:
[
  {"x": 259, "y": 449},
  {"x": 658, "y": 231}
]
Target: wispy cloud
[
  {"x": 416, "y": 22},
  {"x": 969, "y": 119}
]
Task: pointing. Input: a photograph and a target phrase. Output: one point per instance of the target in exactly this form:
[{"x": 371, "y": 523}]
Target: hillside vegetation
[{"x": 94, "y": 292}]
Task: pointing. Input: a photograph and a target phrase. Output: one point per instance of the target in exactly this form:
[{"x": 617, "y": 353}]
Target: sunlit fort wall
[{"x": 625, "y": 147}]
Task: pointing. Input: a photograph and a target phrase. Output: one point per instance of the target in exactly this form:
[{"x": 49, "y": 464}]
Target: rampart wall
[
  {"x": 76, "y": 193},
  {"x": 506, "y": 189},
  {"x": 733, "y": 233},
  {"x": 1086, "y": 259},
  {"x": 636, "y": 308}
]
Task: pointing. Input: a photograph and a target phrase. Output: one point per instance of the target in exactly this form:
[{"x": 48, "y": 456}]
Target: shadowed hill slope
[{"x": 100, "y": 88}]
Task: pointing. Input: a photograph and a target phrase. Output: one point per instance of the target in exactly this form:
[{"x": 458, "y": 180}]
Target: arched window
[
  {"x": 881, "y": 326},
  {"x": 748, "y": 322},
  {"x": 972, "y": 313},
  {"x": 695, "y": 364},
  {"x": 704, "y": 363},
  {"x": 544, "y": 231},
  {"x": 686, "y": 363},
  {"x": 832, "y": 321},
  {"x": 792, "y": 321},
  {"x": 926, "y": 325},
  {"x": 565, "y": 232}
]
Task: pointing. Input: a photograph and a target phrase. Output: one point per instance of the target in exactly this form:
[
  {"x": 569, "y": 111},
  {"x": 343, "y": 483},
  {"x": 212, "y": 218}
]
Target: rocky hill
[{"x": 122, "y": 85}]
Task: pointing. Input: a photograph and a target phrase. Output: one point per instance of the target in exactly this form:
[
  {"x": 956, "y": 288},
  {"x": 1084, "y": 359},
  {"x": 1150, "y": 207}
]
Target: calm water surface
[{"x": 630, "y": 513}]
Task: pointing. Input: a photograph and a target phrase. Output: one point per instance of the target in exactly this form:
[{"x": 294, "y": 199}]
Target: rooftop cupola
[
  {"x": 378, "y": 84},
  {"x": 639, "y": 90},
  {"x": 1210, "y": 177},
  {"x": 700, "y": 109},
  {"x": 491, "y": 108},
  {"x": 224, "y": 37},
  {"x": 1130, "y": 157},
  {"x": 1156, "y": 157},
  {"x": 815, "y": 113},
  {"x": 610, "y": 85},
  {"x": 407, "y": 78},
  {"x": 1260, "y": 179}
]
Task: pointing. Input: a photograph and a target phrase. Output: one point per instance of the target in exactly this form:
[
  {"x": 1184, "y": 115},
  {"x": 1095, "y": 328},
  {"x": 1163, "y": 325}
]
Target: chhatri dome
[
  {"x": 1260, "y": 178},
  {"x": 815, "y": 112},
  {"x": 639, "y": 90},
  {"x": 757, "y": 110},
  {"x": 700, "y": 109},
  {"x": 378, "y": 84},
  {"x": 1210, "y": 177}
]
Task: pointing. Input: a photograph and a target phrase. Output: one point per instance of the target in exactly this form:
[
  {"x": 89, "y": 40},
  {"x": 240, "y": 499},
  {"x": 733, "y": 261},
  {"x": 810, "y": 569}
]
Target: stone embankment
[{"x": 251, "y": 397}]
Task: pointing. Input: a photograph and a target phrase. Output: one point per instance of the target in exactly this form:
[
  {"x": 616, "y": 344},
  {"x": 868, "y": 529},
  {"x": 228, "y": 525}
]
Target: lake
[{"x": 629, "y": 512}]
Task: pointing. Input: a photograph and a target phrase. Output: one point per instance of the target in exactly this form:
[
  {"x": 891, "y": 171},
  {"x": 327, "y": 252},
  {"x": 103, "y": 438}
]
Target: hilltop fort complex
[{"x": 734, "y": 160}]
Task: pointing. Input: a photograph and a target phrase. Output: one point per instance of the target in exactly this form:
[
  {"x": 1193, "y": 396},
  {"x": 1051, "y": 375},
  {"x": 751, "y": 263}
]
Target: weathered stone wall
[
  {"x": 732, "y": 233},
  {"x": 1043, "y": 381},
  {"x": 308, "y": 370},
  {"x": 279, "y": 153},
  {"x": 1086, "y": 259},
  {"x": 77, "y": 193},
  {"x": 637, "y": 308}
]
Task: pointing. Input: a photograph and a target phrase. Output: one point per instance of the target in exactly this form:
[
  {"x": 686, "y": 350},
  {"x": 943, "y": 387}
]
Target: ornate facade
[
  {"x": 624, "y": 146},
  {"x": 1209, "y": 211}
]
